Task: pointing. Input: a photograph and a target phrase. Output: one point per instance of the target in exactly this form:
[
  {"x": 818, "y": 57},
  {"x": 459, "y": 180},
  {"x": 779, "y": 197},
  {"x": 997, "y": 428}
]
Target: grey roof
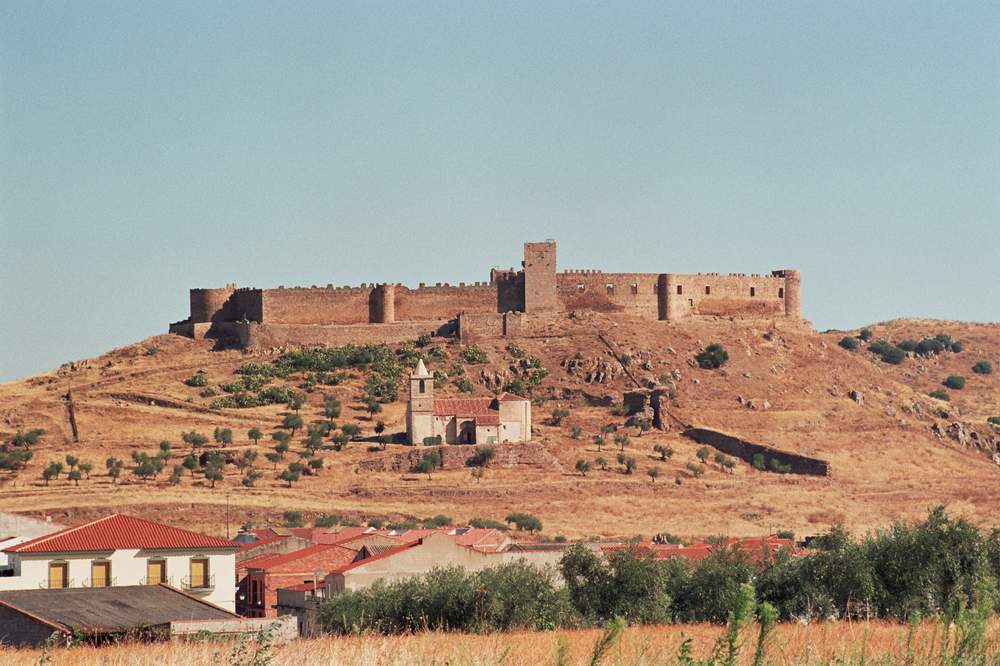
[{"x": 112, "y": 608}]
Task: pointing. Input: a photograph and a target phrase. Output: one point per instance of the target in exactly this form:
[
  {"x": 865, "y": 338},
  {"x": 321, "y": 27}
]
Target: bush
[
  {"x": 983, "y": 368},
  {"x": 849, "y": 343},
  {"x": 327, "y": 520},
  {"x": 524, "y": 522},
  {"x": 956, "y": 382},
  {"x": 995, "y": 420},
  {"x": 439, "y": 520},
  {"x": 713, "y": 356},
  {"x": 292, "y": 519},
  {"x": 198, "y": 379},
  {"x": 908, "y": 345},
  {"x": 482, "y": 523},
  {"x": 482, "y": 457},
  {"x": 865, "y": 334},
  {"x": 474, "y": 355},
  {"x": 506, "y": 597},
  {"x": 940, "y": 394},
  {"x": 894, "y": 356},
  {"x": 464, "y": 385}
]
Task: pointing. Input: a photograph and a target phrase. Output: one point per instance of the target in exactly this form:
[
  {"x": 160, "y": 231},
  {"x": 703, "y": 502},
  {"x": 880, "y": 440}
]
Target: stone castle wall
[{"x": 536, "y": 289}]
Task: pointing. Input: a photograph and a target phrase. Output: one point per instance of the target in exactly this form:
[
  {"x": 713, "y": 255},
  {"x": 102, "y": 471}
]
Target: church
[{"x": 505, "y": 418}]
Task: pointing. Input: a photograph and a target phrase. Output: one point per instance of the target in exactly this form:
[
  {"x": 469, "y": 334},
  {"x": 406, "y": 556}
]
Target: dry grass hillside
[{"x": 788, "y": 387}]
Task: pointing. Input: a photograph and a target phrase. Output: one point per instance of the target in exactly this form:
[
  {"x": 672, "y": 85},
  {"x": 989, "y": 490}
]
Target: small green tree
[
  {"x": 331, "y": 407},
  {"x": 373, "y": 407},
  {"x": 251, "y": 477},
  {"x": 254, "y": 434},
  {"x": 292, "y": 519},
  {"x": 316, "y": 464},
  {"x": 51, "y": 472},
  {"x": 223, "y": 436},
  {"x": 194, "y": 439},
  {"x": 190, "y": 463},
  {"x": 601, "y": 462},
  {"x": 86, "y": 468},
  {"x": 292, "y": 422},
  {"x": 71, "y": 461},
  {"x": 599, "y": 441},
  {"x": 630, "y": 464},
  {"x": 582, "y": 466},
  {"x": 654, "y": 473},
  {"x": 713, "y": 356},
  {"x": 478, "y": 473},
  {"x": 290, "y": 475},
  {"x": 114, "y": 467},
  {"x": 664, "y": 451},
  {"x": 352, "y": 430},
  {"x": 558, "y": 414},
  {"x": 296, "y": 402},
  {"x": 621, "y": 439},
  {"x": 703, "y": 453}
]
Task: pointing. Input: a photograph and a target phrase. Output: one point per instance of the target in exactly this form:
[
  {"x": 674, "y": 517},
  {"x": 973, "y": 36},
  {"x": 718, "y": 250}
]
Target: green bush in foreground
[
  {"x": 713, "y": 356},
  {"x": 983, "y": 368},
  {"x": 849, "y": 344},
  {"x": 956, "y": 382}
]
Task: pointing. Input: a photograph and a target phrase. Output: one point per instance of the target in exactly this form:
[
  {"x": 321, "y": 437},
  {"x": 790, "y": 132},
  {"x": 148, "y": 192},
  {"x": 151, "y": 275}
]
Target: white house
[{"x": 120, "y": 550}]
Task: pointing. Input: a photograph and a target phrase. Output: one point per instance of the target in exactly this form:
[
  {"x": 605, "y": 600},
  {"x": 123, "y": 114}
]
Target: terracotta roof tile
[
  {"x": 120, "y": 531},
  {"x": 505, "y": 396},
  {"x": 463, "y": 406},
  {"x": 332, "y": 556}
]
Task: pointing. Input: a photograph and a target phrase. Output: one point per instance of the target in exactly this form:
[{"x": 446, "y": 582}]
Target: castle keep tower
[
  {"x": 793, "y": 286},
  {"x": 540, "y": 276},
  {"x": 420, "y": 407}
]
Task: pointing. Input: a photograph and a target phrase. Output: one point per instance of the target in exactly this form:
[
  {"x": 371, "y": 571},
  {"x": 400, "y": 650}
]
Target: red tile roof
[
  {"x": 120, "y": 531},
  {"x": 491, "y": 418},
  {"x": 505, "y": 396},
  {"x": 463, "y": 406},
  {"x": 331, "y": 556},
  {"x": 380, "y": 556}
]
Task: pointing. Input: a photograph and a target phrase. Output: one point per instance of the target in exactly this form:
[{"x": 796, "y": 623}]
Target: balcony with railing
[
  {"x": 157, "y": 580},
  {"x": 99, "y": 582},
  {"x": 197, "y": 584}
]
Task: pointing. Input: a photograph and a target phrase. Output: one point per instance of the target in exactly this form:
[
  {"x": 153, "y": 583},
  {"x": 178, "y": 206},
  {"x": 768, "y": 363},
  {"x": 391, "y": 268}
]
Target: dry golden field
[
  {"x": 830, "y": 643},
  {"x": 887, "y": 463}
]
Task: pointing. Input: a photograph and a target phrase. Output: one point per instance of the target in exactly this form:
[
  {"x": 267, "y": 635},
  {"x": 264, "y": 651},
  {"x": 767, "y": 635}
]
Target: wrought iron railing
[
  {"x": 99, "y": 582},
  {"x": 198, "y": 582},
  {"x": 156, "y": 580}
]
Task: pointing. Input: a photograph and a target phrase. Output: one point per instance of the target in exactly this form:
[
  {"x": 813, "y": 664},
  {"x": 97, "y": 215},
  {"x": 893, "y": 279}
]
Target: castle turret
[
  {"x": 793, "y": 286},
  {"x": 420, "y": 406}
]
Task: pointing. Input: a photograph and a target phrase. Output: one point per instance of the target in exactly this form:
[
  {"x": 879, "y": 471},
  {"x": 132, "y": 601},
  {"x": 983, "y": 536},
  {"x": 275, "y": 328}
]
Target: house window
[
  {"x": 753, "y": 292},
  {"x": 156, "y": 572},
  {"x": 708, "y": 290},
  {"x": 680, "y": 289},
  {"x": 611, "y": 289},
  {"x": 58, "y": 575},
  {"x": 199, "y": 574},
  {"x": 100, "y": 573},
  {"x": 422, "y": 386},
  {"x": 781, "y": 292},
  {"x": 580, "y": 287}
]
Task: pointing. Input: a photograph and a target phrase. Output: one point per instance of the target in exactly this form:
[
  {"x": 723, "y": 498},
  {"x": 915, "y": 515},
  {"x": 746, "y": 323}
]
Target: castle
[
  {"x": 513, "y": 302},
  {"x": 505, "y": 418}
]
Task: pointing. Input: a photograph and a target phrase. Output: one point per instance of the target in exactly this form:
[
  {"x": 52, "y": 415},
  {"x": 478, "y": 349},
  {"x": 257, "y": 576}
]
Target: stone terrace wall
[
  {"x": 745, "y": 450},
  {"x": 268, "y": 336},
  {"x": 331, "y": 305},
  {"x": 444, "y": 301},
  {"x": 457, "y": 456},
  {"x": 634, "y": 294}
]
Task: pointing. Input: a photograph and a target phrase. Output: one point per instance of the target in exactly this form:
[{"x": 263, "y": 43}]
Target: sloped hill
[{"x": 788, "y": 387}]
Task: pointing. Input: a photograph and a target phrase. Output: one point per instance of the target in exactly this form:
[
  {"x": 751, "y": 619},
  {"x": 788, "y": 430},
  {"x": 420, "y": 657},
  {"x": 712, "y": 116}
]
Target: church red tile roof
[
  {"x": 119, "y": 531},
  {"x": 463, "y": 406}
]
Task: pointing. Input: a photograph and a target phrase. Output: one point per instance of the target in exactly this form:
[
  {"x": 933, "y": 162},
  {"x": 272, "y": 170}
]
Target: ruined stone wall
[
  {"x": 635, "y": 294},
  {"x": 211, "y": 304},
  {"x": 444, "y": 301},
  {"x": 331, "y": 305},
  {"x": 711, "y": 294},
  {"x": 248, "y": 304},
  {"x": 746, "y": 451},
  {"x": 510, "y": 290}
]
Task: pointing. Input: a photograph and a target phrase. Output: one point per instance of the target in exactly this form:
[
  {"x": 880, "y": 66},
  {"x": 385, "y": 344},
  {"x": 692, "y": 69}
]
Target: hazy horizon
[{"x": 146, "y": 150}]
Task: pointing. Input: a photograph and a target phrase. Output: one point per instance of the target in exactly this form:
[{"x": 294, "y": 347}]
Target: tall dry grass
[{"x": 828, "y": 643}]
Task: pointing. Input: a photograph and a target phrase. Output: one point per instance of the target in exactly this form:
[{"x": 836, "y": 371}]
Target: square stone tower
[
  {"x": 540, "y": 276},
  {"x": 420, "y": 406}
]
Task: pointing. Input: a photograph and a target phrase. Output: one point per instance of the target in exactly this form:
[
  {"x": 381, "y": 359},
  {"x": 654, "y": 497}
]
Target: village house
[
  {"x": 120, "y": 550},
  {"x": 505, "y": 418},
  {"x": 426, "y": 553}
]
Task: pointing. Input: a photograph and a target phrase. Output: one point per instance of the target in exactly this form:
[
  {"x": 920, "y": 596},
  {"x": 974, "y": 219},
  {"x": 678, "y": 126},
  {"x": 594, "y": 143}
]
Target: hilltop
[{"x": 893, "y": 450}]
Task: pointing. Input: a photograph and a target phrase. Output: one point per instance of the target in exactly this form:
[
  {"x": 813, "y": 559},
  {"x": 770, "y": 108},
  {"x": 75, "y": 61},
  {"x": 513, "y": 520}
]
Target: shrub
[
  {"x": 482, "y": 457},
  {"x": 879, "y": 347},
  {"x": 983, "y": 368},
  {"x": 930, "y": 347},
  {"x": 713, "y": 356},
  {"x": 850, "y": 343},
  {"x": 582, "y": 466},
  {"x": 423, "y": 340},
  {"x": 695, "y": 469},
  {"x": 474, "y": 355},
  {"x": 524, "y": 522},
  {"x": 558, "y": 414},
  {"x": 956, "y": 382},
  {"x": 292, "y": 519},
  {"x": 327, "y": 520},
  {"x": 894, "y": 356},
  {"x": 208, "y": 393},
  {"x": 908, "y": 345},
  {"x": 940, "y": 394},
  {"x": 439, "y": 520},
  {"x": 464, "y": 385},
  {"x": 758, "y": 462},
  {"x": 482, "y": 523},
  {"x": 515, "y": 351},
  {"x": 995, "y": 420},
  {"x": 198, "y": 379},
  {"x": 865, "y": 334}
]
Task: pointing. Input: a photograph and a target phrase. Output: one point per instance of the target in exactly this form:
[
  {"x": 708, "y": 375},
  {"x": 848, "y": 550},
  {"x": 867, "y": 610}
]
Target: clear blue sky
[{"x": 146, "y": 150}]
